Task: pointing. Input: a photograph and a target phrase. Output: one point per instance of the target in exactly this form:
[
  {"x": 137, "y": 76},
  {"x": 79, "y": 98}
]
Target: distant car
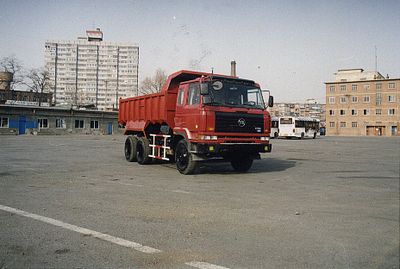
[{"x": 322, "y": 131}]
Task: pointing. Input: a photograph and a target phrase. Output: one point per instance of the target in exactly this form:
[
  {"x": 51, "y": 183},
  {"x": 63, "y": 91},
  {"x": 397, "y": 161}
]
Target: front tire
[
  {"x": 315, "y": 135},
  {"x": 184, "y": 159},
  {"x": 130, "y": 148},
  {"x": 242, "y": 164},
  {"x": 143, "y": 151}
]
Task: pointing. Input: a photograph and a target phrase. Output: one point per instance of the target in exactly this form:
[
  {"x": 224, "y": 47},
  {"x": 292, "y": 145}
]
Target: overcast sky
[{"x": 289, "y": 47}]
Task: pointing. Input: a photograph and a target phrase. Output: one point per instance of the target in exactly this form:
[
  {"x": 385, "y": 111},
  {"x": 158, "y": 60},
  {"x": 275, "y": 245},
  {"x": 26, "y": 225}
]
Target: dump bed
[{"x": 136, "y": 113}]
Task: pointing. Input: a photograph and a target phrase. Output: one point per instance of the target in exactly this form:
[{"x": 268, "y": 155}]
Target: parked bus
[
  {"x": 299, "y": 127},
  {"x": 274, "y": 127}
]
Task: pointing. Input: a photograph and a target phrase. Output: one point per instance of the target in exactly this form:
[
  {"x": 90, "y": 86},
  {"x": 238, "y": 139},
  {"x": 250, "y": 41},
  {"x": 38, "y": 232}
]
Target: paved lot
[{"x": 324, "y": 203}]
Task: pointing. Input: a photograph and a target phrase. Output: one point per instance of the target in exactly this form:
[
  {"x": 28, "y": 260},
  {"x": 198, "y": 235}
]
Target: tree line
[
  {"x": 35, "y": 79},
  {"x": 38, "y": 79}
]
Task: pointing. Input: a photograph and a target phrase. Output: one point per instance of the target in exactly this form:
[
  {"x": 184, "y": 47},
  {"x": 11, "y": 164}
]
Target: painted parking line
[
  {"x": 205, "y": 265},
  {"x": 102, "y": 236},
  {"x": 106, "y": 237}
]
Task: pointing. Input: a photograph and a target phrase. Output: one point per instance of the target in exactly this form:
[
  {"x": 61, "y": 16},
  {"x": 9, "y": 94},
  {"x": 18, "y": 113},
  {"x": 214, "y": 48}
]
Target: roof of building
[{"x": 356, "y": 75}]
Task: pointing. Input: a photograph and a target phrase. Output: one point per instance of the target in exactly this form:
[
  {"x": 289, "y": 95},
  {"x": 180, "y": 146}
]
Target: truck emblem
[{"x": 241, "y": 122}]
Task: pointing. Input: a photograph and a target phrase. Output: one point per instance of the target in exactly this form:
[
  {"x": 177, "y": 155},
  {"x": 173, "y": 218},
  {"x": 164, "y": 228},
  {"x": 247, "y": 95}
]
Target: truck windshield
[{"x": 235, "y": 94}]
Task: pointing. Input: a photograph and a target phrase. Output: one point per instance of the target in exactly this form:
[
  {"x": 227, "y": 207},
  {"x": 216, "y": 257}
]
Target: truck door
[
  {"x": 180, "y": 102},
  {"x": 191, "y": 108}
]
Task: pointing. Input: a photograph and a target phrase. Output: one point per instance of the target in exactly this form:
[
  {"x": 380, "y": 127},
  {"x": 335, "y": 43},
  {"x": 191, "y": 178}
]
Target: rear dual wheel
[
  {"x": 137, "y": 149},
  {"x": 130, "y": 148},
  {"x": 143, "y": 151}
]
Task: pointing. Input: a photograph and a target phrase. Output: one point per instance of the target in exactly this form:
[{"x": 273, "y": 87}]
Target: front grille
[{"x": 238, "y": 123}]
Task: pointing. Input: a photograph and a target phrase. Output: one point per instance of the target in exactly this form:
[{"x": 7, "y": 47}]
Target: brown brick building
[{"x": 362, "y": 103}]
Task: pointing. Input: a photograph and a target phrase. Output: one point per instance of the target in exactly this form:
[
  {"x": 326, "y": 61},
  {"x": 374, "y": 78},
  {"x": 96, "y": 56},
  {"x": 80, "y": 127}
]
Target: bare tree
[
  {"x": 12, "y": 65},
  {"x": 38, "y": 81},
  {"x": 153, "y": 84}
]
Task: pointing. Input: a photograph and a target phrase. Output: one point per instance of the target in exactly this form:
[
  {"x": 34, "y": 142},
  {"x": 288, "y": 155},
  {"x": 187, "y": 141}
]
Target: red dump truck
[{"x": 197, "y": 117}]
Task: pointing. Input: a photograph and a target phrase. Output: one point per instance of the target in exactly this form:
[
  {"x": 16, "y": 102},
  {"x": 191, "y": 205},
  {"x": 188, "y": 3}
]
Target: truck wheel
[
  {"x": 184, "y": 160},
  {"x": 242, "y": 164},
  {"x": 302, "y": 136},
  {"x": 314, "y": 136},
  {"x": 143, "y": 151},
  {"x": 130, "y": 148},
  {"x": 276, "y": 135}
]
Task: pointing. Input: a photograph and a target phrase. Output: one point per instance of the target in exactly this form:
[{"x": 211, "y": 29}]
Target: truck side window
[
  {"x": 181, "y": 93},
  {"x": 194, "y": 94}
]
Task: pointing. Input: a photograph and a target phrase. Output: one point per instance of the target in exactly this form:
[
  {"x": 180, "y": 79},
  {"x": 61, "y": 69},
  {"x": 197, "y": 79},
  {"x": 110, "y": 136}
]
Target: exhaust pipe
[{"x": 233, "y": 68}]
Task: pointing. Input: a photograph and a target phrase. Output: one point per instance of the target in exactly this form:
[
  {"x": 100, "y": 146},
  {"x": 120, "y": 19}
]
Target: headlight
[
  {"x": 209, "y": 137},
  {"x": 264, "y": 138}
]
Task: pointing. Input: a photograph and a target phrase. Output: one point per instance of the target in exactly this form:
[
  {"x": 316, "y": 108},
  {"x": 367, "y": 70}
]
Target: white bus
[
  {"x": 274, "y": 127},
  {"x": 299, "y": 127}
]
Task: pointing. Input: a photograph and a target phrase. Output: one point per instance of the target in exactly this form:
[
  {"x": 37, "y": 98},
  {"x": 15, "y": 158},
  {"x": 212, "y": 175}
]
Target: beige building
[
  {"x": 362, "y": 103},
  {"x": 90, "y": 71}
]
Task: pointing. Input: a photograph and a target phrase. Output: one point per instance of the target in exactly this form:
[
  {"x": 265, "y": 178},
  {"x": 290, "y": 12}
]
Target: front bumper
[{"x": 225, "y": 150}]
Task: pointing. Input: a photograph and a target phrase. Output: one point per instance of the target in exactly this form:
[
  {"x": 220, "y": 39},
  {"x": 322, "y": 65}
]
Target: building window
[
  {"x": 3, "y": 122},
  {"x": 331, "y": 124},
  {"x": 343, "y": 88},
  {"x": 354, "y": 112},
  {"x": 394, "y": 130},
  {"x": 331, "y": 100},
  {"x": 392, "y": 85},
  {"x": 378, "y": 86},
  {"x": 79, "y": 124},
  {"x": 378, "y": 111},
  {"x": 342, "y": 112},
  {"x": 391, "y": 111},
  {"x": 60, "y": 123},
  {"x": 94, "y": 124},
  {"x": 354, "y": 88},
  {"x": 391, "y": 98},
  {"x": 366, "y": 99},
  {"x": 354, "y": 124},
  {"x": 378, "y": 98},
  {"x": 332, "y": 88},
  {"x": 354, "y": 99},
  {"x": 366, "y": 112},
  {"x": 342, "y": 124},
  {"x": 366, "y": 87},
  {"x": 343, "y": 99},
  {"x": 331, "y": 112},
  {"x": 43, "y": 123}
]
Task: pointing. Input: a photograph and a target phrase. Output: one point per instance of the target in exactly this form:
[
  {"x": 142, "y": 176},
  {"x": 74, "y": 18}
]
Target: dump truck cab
[
  {"x": 221, "y": 117},
  {"x": 198, "y": 117}
]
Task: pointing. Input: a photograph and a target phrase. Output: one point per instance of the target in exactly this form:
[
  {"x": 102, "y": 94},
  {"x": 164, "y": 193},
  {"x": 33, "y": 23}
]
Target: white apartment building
[{"x": 91, "y": 72}]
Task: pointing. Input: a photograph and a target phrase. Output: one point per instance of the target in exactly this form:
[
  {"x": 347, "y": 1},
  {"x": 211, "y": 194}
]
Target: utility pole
[
  {"x": 76, "y": 75},
  {"x": 117, "y": 89},
  {"x": 97, "y": 77},
  {"x": 55, "y": 75},
  {"x": 105, "y": 101},
  {"x": 116, "y": 99}
]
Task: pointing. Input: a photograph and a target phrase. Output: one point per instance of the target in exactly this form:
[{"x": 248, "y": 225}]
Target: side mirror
[
  {"x": 271, "y": 101},
  {"x": 204, "y": 89},
  {"x": 206, "y": 99}
]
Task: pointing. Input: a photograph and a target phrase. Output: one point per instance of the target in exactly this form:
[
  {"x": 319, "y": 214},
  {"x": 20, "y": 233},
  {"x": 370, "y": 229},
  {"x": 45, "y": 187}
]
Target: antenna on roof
[{"x": 376, "y": 59}]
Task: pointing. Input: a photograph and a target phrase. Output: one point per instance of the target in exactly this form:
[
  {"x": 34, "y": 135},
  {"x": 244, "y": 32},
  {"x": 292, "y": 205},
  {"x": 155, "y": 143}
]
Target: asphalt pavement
[{"x": 74, "y": 202}]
